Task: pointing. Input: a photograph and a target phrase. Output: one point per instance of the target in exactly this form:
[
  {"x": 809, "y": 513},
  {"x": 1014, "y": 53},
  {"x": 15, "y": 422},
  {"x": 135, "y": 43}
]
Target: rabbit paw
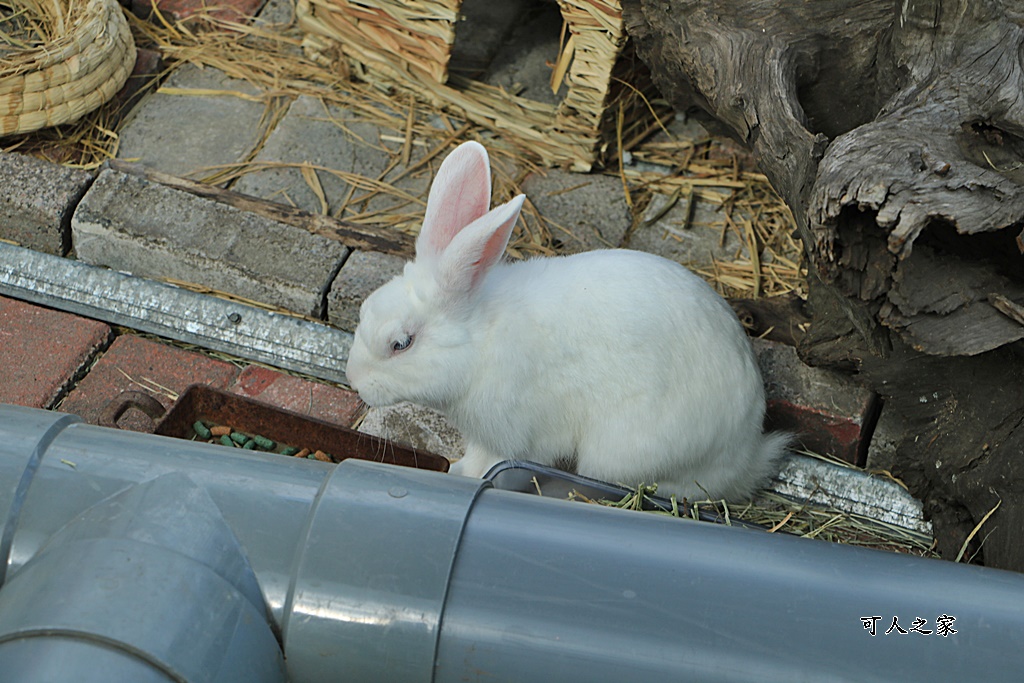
[{"x": 476, "y": 462}]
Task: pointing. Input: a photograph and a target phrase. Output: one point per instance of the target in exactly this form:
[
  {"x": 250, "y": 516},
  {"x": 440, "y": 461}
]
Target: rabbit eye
[{"x": 400, "y": 345}]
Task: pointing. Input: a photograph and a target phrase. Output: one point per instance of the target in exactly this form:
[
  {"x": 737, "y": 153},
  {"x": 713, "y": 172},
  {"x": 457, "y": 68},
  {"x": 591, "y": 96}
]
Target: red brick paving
[
  {"x": 137, "y": 363},
  {"x": 313, "y": 399},
  {"x": 843, "y": 436},
  {"x": 238, "y": 11},
  {"x": 827, "y": 411},
  {"x": 41, "y": 350}
]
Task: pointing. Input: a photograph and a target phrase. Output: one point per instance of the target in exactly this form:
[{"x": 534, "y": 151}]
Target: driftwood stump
[{"x": 895, "y": 132}]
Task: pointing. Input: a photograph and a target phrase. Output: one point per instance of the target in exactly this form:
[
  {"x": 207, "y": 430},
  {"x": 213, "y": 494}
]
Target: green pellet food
[{"x": 229, "y": 436}]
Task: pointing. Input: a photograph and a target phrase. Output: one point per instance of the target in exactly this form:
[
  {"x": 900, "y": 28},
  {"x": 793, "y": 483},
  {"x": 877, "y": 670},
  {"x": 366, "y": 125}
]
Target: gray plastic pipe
[
  {"x": 378, "y": 573},
  {"x": 159, "y": 549}
]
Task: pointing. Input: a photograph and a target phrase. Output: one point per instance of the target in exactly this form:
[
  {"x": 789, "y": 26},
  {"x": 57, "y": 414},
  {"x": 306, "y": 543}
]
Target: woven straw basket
[
  {"x": 84, "y": 65},
  {"x": 408, "y": 44}
]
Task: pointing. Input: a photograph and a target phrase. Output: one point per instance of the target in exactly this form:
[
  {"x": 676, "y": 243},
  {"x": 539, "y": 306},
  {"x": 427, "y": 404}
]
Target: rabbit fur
[{"x": 622, "y": 362}]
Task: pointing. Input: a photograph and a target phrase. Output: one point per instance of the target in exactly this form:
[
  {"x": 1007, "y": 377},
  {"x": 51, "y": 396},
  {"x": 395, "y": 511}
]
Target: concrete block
[
  {"x": 829, "y": 413},
  {"x": 42, "y": 352},
  {"x": 584, "y": 212},
  {"x": 138, "y": 364},
  {"x": 312, "y": 399},
  {"x": 326, "y": 137},
  {"x": 180, "y": 132},
  {"x": 131, "y": 224},
  {"x": 696, "y": 244},
  {"x": 363, "y": 272},
  {"x": 37, "y": 199},
  {"x": 416, "y": 426}
]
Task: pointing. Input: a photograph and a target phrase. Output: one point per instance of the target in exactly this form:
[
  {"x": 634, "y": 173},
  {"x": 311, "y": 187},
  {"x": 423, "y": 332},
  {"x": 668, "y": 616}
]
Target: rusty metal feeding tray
[{"x": 216, "y": 407}]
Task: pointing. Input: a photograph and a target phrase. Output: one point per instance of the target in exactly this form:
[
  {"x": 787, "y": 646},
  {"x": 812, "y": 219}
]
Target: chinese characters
[{"x": 943, "y": 626}]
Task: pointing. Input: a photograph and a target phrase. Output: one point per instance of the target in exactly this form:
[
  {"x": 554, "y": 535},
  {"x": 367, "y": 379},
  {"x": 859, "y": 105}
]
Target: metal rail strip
[{"x": 239, "y": 329}]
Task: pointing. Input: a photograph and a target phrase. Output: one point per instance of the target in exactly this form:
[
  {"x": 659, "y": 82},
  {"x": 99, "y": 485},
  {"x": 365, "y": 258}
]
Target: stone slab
[
  {"x": 584, "y": 212},
  {"x": 696, "y": 243},
  {"x": 131, "y": 224},
  {"x": 828, "y": 412},
  {"x": 363, "y": 272},
  {"x": 312, "y": 399},
  {"x": 209, "y": 322},
  {"x": 416, "y": 426},
  {"x": 326, "y": 137},
  {"x": 42, "y": 351},
  {"x": 197, "y": 120},
  {"x": 37, "y": 199},
  {"x": 139, "y": 364}
]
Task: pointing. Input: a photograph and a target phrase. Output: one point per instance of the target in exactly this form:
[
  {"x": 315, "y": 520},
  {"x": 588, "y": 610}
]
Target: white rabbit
[{"x": 623, "y": 363}]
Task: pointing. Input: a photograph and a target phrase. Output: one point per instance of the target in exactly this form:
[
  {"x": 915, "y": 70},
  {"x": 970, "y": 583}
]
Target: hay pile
[{"x": 778, "y": 514}]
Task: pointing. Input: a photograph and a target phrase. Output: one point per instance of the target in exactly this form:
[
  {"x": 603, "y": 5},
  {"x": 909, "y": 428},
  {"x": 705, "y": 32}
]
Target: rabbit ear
[
  {"x": 477, "y": 248},
  {"x": 460, "y": 194}
]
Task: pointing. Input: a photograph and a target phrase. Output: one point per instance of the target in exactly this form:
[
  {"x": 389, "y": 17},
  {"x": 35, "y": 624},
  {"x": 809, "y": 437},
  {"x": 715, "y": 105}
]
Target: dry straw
[
  {"x": 59, "y": 60},
  {"x": 779, "y": 514}
]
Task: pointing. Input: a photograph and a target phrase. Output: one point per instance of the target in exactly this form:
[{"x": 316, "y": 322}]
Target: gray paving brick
[
  {"x": 184, "y": 132},
  {"x": 363, "y": 272},
  {"x": 324, "y": 136},
  {"x": 37, "y": 199},
  {"x": 584, "y": 212},
  {"x": 697, "y": 245},
  {"x": 131, "y": 224}
]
